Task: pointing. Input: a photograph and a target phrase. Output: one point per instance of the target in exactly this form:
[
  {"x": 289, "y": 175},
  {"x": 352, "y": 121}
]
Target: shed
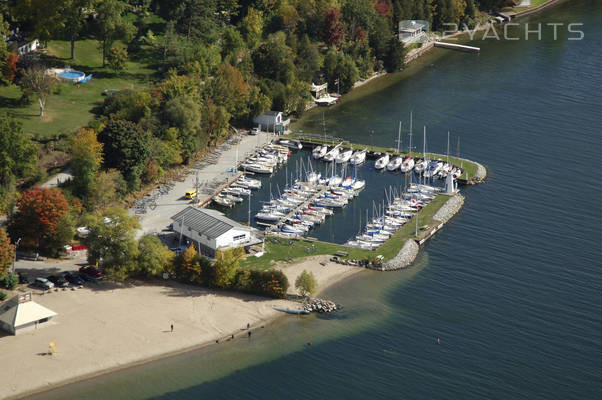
[
  {"x": 211, "y": 230},
  {"x": 271, "y": 121},
  {"x": 21, "y": 314}
]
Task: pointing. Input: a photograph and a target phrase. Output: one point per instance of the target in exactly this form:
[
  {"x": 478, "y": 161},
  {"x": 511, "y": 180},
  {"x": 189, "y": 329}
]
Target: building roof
[
  {"x": 210, "y": 223},
  {"x": 22, "y": 310},
  {"x": 272, "y": 113}
]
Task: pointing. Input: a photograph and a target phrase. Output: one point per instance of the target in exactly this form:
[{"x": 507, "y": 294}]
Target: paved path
[
  {"x": 57, "y": 179},
  {"x": 219, "y": 172}
]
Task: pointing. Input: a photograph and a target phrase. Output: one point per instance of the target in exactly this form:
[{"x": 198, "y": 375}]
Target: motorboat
[
  {"x": 291, "y": 143},
  {"x": 223, "y": 201},
  {"x": 382, "y": 162}
]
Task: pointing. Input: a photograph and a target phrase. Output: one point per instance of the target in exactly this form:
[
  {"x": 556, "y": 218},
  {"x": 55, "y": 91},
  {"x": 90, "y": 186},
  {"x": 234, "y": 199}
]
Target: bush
[
  {"x": 306, "y": 283},
  {"x": 10, "y": 281},
  {"x": 2, "y": 296}
]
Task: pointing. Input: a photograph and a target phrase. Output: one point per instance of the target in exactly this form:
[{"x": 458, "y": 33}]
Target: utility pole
[{"x": 15, "y": 257}]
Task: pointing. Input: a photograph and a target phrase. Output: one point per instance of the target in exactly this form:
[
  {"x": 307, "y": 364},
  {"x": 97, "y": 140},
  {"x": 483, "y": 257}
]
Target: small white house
[
  {"x": 271, "y": 121},
  {"x": 412, "y": 32},
  {"x": 211, "y": 230},
  {"x": 21, "y": 314},
  {"x": 29, "y": 47}
]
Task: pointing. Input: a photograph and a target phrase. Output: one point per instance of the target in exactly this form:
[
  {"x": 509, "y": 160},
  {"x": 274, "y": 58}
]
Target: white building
[
  {"x": 412, "y": 32},
  {"x": 272, "y": 121},
  {"x": 211, "y": 230},
  {"x": 21, "y": 314}
]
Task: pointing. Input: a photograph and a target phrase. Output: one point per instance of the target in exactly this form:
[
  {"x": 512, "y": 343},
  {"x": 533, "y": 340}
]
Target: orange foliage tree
[
  {"x": 7, "y": 253},
  {"x": 11, "y": 66},
  {"x": 40, "y": 215}
]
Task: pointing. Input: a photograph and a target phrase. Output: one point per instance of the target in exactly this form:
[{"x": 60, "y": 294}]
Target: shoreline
[{"x": 45, "y": 371}]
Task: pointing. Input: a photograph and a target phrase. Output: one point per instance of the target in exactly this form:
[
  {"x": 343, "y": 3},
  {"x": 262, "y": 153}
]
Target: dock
[{"x": 454, "y": 46}]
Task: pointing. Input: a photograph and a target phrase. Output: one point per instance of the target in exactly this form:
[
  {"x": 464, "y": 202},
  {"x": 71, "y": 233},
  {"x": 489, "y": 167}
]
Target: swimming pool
[{"x": 71, "y": 75}]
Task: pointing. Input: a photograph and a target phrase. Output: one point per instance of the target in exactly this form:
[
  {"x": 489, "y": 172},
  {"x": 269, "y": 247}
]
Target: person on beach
[
  {"x": 249, "y": 334},
  {"x": 248, "y": 325},
  {"x": 172, "y": 327}
]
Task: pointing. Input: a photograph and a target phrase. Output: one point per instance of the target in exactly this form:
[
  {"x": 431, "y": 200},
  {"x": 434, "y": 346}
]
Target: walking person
[{"x": 172, "y": 327}]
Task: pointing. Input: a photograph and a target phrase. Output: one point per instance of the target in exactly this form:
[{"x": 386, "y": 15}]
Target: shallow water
[{"x": 512, "y": 285}]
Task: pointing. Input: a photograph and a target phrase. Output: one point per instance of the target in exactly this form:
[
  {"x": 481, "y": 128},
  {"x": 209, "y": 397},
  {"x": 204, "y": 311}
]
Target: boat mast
[
  {"x": 410, "y": 147},
  {"x": 447, "y": 160},
  {"x": 398, "y": 137}
]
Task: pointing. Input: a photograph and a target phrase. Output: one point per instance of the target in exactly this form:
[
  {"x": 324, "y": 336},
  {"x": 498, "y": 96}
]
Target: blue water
[{"x": 512, "y": 286}]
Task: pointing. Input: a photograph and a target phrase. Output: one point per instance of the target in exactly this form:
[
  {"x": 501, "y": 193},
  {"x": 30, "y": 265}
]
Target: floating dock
[{"x": 454, "y": 46}]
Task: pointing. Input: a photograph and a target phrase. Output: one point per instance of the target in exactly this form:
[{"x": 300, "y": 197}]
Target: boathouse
[
  {"x": 211, "y": 230},
  {"x": 21, "y": 314},
  {"x": 272, "y": 121},
  {"x": 412, "y": 32}
]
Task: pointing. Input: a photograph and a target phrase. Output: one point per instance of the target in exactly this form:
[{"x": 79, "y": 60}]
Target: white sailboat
[
  {"x": 382, "y": 162},
  {"x": 344, "y": 156},
  {"x": 359, "y": 157},
  {"x": 396, "y": 161}
]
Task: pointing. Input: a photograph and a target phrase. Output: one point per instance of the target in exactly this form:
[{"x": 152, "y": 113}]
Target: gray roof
[
  {"x": 272, "y": 113},
  {"x": 210, "y": 223}
]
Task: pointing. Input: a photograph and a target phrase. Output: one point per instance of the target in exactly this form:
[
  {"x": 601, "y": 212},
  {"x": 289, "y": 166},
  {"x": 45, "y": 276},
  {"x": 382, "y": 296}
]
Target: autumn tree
[
  {"x": 11, "y": 67},
  {"x": 112, "y": 241},
  {"x": 189, "y": 266},
  {"x": 230, "y": 90},
  {"x": 226, "y": 266},
  {"x": 333, "y": 29},
  {"x": 39, "y": 82},
  {"x": 153, "y": 256},
  {"x": 86, "y": 159},
  {"x": 306, "y": 283},
  {"x": 40, "y": 219},
  {"x": 7, "y": 254}
]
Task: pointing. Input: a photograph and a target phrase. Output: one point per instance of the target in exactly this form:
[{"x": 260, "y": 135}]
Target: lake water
[{"x": 512, "y": 286}]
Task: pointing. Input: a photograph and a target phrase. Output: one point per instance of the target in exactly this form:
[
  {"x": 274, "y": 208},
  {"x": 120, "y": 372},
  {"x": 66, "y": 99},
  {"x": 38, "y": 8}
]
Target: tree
[
  {"x": 117, "y": 58},
  {"x": 154, "y": 257},
  {"x": 332, "y": 31},
  {"x": 7, "y": 254},
  {"x": 74, "y": 19},
  {"x": 112, "y": 241},
  {"x": 230, "y": 90},
  {"x": 252, "y": 27},
  {"x": 126, "y": 148},
  {"x": 86, "y": 159},
  {"x": 111, "y": 26},
  {"x": 308, "y": 59},
  {"x": 41, "y": 83},
  {"x": 184, "y": 114},
  {"x": 306, "y": 283},
  {"x": 396, "y": 54},
  {"x": 225, "y": 268},
  {"x": 4, "y": 30},
  {"x": 40, "y": 218},
  {"x": 106, "y": 188},
  {"x": 274, "y": 59},
  {"x": 189, "y": 266},
  {"x": 346, "y": 72},
  {"x": 11, "y": 67},
  {"x": 18, "y": 157},
  {"x": 10, "y": 281}
]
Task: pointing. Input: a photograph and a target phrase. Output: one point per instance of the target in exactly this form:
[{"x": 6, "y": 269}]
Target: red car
[{"x": 91, "y": 270}]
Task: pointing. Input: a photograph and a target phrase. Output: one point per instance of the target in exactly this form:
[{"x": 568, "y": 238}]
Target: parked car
[
  {"x": 73, "y": 279},
  {"x": 58, "y": 281},
  {"x": 22, "y": 278},
  {"x": 254, "y": 131},
  {"x": 43, "y": 283},
  {"x": 85, "y": 277},
  {"x": 92, "y": 271},
  {"x": 191, "y": 194}
]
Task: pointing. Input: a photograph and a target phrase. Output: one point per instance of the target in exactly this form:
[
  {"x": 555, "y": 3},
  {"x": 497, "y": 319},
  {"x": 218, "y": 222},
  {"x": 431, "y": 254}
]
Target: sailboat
[
  {"x": 382, "y": 162},
  {"x": 332, "y": 154},
  {"x": 396, "y": 161},
  {"x": 359, "y": 157},
  {"x": 408, "y": 163},
  {"x": 319, "y": 152},
  {"x": 344, "y": 156}
]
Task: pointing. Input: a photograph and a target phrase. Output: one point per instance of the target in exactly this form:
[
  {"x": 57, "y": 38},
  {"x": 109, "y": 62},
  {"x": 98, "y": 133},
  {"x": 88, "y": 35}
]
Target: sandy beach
[{"x": 106, "y": 327}]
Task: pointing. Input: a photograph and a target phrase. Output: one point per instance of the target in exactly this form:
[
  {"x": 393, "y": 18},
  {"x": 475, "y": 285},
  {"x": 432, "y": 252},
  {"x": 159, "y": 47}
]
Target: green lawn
[
  {"x": 279, "y": 249},
  {"x": 534, "y": 3},
  {"x": 70, "y": 107},
  {"x": 469, "y": 167}
]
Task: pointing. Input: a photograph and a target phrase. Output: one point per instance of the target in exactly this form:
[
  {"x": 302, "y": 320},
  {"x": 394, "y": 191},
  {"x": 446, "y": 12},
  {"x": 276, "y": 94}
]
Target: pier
[{"x": 454, "y": 46}]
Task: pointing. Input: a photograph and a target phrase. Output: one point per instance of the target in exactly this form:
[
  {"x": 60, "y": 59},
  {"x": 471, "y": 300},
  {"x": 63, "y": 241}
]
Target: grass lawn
[
  {"x": 70, "y": 107},
  {"x": 279, "y": 249},
  {"x": 534, "y": 3}
]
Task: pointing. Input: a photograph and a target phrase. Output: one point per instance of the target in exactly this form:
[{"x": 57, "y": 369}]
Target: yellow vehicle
[{"x": 191, "y": 194}]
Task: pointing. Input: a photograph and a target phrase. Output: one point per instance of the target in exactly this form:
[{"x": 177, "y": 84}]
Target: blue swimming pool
[{"x": 74, "y": 76}]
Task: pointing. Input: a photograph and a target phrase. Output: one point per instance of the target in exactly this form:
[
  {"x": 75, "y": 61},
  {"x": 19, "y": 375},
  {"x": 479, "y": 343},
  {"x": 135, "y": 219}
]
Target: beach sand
[{"x": 106, "y": 327}]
